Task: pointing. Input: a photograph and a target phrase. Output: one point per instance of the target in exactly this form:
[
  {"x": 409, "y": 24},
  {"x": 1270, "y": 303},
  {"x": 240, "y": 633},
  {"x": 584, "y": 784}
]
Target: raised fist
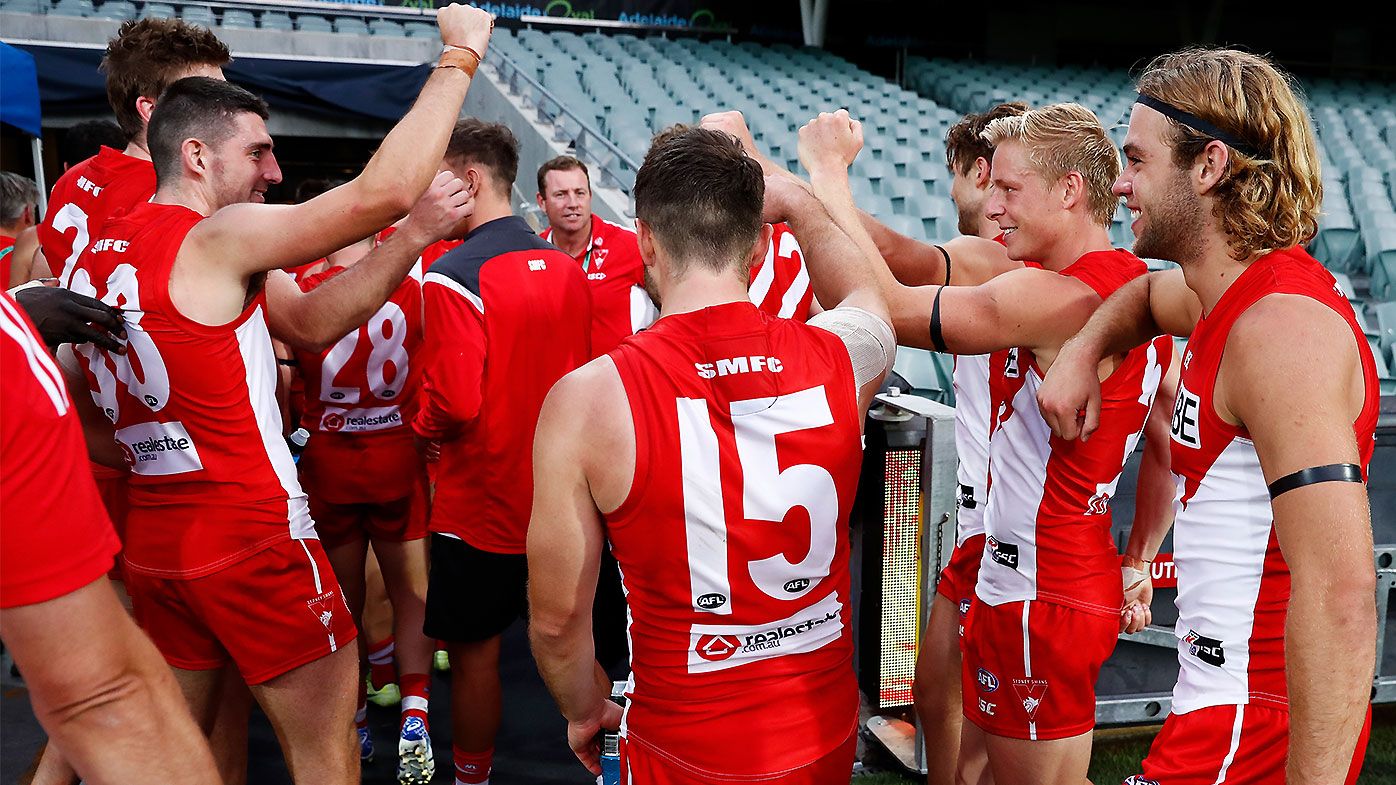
[
  {"x": 465, "y": 25},
  {"x": 830, "y": 142}
]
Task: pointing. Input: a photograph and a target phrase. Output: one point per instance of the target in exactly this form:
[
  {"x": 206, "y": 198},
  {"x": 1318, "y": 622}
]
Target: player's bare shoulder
[
  {"x": 589, "y": 411},
  {"x": 1290, "y": 348}
]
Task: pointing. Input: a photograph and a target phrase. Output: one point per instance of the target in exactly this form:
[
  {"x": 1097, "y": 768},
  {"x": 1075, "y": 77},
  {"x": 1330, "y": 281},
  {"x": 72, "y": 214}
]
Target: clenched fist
[
  {"x": 830, "y": 142},
  {"x": 465, "y": 25},
  {"x": 733, "y": 123}
]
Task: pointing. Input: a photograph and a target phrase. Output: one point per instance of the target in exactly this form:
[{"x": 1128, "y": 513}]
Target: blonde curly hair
[
  {"x": 1064, "y": 138},
  {"x": 1264, "y": 202}
]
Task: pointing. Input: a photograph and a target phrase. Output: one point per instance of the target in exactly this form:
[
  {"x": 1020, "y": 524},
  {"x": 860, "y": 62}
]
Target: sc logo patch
[{"x": 1002, "y": 552}]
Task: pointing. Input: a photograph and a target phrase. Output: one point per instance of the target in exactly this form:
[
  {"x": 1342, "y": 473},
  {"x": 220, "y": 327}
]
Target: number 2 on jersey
[
  {"x": 387, "y": 331},
  {"x": 768, "y": 494}
]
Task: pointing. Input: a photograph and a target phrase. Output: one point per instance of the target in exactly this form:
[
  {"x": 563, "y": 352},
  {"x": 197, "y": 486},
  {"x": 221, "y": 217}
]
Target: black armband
[
  {"x": 937, "y": 339},
  {"x": 946, "y": 254},
  {"x": 286, "y": 362},
  {"x": 1333, "y": 472}
]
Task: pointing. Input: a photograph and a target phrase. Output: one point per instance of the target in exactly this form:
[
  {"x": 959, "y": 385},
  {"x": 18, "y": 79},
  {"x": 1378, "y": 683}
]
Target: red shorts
[
  {"x": 111, "y": 486},
  {"x": 1030, "y": 668},
  {"x": 958, "y": 578},
  {"x": 1207, "y": 746},
  {"x": 269, "y": 613},
  {"x": 641, "y": 764},
  {"x": 402, "y": 520}
]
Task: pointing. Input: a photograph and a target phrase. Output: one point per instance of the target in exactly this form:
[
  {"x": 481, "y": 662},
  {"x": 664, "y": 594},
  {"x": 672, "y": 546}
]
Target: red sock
[
  {"x": 416, "y": 689},
  {"x": 472, "y": 768},
  {"x": 380, "y": 663}
]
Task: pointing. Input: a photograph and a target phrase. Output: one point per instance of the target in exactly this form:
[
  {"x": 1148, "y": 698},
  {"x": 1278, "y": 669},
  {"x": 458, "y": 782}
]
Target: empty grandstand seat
[
  {"x": 350, "y": 25},
  {"x": 1338, "y": 244},
  {"x": 238, "y": 18},
  {"x": 119, "y": 10},
  {"x": 419, "y": 29},
  {"x": 158, "y": 11},
  {"x": 313, "y": 24},
  {"x": 74, "y": 8},
  {"x": 24, "y": 6},
  {"x": 918, "y": 367},
  {"x": 1385, "y": 314},
  {"x": 388, "y": 27},
  {"x": 197, "y": 15},
  {"x": 276, "y": 20}
]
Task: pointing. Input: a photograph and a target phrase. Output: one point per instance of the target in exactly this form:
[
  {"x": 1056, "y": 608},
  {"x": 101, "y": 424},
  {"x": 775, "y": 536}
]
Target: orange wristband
[{"x": 463, "y": 58}]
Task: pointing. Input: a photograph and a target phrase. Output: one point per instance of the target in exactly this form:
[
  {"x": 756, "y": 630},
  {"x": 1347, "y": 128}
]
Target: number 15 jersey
[{"x": 732, "y": 542}]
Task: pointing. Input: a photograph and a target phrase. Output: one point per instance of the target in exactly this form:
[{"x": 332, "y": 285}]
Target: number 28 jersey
[
  {"x": 194, "y": 408},
  {"x": 366, "y": 382},
  {"x": 733, "y": 544}
]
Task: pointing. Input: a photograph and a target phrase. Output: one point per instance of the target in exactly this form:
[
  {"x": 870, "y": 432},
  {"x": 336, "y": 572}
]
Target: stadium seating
[
  {"x": 197, "y": 14},
  {"x": 157, "y": 11},
  {"x": 633, "y": 87},
  {"x": 1355, "y": 121},
  {"x": 276, "y": 20},
  {"x": 119, "y": 10},
  {"x": 313, "y": 24},
  {"x": 238, "y": 19}
]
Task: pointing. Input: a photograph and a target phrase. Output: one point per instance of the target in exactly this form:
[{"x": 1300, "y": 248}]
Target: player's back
[
  {"x": 733, "y": 543},
  {"x": 194, "y": 407},
  {"x": 534, "y": 310},
  {"x": 366, "y": 382},
  {"x": 105, "y": 185}
]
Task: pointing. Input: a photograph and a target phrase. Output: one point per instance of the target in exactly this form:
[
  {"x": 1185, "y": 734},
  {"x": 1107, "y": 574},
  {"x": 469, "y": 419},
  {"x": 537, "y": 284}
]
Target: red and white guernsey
[
  {"x": 971, "y": 381},
  {"x": 1048, "y": 518},
  {"x": 194, "y": 408},
  {"x": 620, "y": 306},
  {"x": 780, "y": 282},
  {"x": 733, "y": 544},
  {"x": 105, "y": 185},
  {"x": 366, "y": 382},
  {"x": 1233, "y": 584}
]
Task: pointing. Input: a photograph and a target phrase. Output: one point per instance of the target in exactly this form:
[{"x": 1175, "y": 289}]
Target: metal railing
[{"x": 616, "y": 169}]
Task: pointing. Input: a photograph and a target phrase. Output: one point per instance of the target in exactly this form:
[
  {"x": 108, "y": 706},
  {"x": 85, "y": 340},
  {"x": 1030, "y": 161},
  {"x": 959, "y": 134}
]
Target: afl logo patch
[{"x": 709, "y": 602}]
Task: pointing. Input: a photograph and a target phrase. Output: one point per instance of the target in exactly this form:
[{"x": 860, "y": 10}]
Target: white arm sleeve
[{"x": 871, "y": 344}]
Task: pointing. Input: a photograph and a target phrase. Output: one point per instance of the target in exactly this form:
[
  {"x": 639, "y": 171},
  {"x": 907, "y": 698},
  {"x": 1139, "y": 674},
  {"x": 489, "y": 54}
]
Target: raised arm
[
  {"x": 389, "y": 185},
  {"x": 312, "y": 321},
  {"x": 1298, "y": 399},
  {"x": 1150, "y": 305},
  {"x": 912, "y": 262},
  {"x": 565, "y": 538}
]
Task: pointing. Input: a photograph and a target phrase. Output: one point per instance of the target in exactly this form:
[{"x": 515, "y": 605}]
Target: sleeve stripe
[
  {"x": 449, "y": 283},
  {"x": 40, "y": 364}
]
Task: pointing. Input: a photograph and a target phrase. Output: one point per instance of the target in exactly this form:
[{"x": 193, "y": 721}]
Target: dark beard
[
  {"x": 968, "y": 224},
  {"x": 1175, "y": 227}
]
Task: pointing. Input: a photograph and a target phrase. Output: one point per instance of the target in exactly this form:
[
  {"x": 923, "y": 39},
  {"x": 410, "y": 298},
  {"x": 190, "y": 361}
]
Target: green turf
[{"x": 1112, "y": 761}]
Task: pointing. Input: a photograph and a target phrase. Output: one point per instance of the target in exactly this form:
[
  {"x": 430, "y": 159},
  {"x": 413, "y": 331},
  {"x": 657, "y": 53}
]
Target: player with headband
[{"x": 1270, "y": 439}]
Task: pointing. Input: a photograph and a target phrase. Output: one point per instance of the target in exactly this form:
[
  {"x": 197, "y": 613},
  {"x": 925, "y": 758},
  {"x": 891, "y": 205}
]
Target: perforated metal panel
[{"x": 901, "y": 585}]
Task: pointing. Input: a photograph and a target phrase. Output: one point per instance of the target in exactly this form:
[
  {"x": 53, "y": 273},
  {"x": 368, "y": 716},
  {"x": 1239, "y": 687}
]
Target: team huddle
[{"x": 656, "y": 436}]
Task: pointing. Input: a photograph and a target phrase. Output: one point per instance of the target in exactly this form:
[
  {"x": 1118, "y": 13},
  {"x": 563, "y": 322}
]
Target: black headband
[{"x": 1197, "y": 124}]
